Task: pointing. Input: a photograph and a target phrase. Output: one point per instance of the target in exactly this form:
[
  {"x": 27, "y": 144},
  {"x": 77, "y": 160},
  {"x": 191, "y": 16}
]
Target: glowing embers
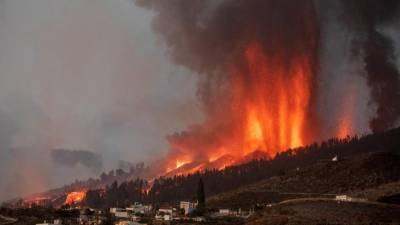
[
  {"x": 75, "y": 197},
  {"x": 180, "y": 163}
]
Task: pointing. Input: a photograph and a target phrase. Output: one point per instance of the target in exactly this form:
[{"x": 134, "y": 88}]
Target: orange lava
[
  {"x": 75, "y": 197},
  {"x": 276, "y": 109}
]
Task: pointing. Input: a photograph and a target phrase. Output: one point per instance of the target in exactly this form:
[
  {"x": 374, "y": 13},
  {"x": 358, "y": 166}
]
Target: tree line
[{"x": 183, "y": 187}]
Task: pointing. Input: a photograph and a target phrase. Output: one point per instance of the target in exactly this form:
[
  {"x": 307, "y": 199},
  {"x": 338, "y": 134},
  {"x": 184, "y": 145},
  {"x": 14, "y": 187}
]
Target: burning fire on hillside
[{"x": 75, "y": 197}]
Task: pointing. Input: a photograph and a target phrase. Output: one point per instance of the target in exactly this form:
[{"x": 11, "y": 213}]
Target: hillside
[
  {"x": 381, "y": 193},
  {"x": 283, "y": 166},
  {"x": 323, "y": 179},
  {"x": 327, "y": 211},
  {"x": 167, "y": 189},
  {"x": 176, "y": 188}
]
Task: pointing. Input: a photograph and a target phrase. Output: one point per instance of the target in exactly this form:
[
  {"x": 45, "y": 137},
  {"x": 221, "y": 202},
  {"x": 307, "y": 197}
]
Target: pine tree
[{"x": 201, "y": 198}]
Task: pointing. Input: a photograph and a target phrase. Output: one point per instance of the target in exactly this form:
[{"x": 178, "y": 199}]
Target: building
[
  {"x": 346, "y": 198},
  {"x": 167, "y": 217},
  {"x": 187, "y": 206},
  {"x": 225, "y": 212},
  {"x": 165, "y": 214},
  {"x": 126, "y": 222},
  {"x": 199, "y": 219},
  {"x": 343, "y": 198},
  {"x": 114, "y": 210},
  {"x": 139, "y": 208},
  {"x": 166, "y": 211},
  {"x": 122, "y": 214},
  {"x": 55, "y": 222}
]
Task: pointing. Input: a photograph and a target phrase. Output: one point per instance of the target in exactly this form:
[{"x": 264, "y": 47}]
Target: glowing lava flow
[
  {"x": 75, "y": 197},
  {"x": 179, "y": 164}
]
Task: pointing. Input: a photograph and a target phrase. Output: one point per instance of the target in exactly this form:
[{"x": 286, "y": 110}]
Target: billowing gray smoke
[
  {"x": 366, "y": 18},
  {"x": 75, "y": 74},
  {"x": 72, "y": 158}
]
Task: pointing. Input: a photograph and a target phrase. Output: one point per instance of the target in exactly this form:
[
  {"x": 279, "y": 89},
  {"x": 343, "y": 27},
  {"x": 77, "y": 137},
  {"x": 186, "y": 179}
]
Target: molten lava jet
[{"x": 273, "y": 102}]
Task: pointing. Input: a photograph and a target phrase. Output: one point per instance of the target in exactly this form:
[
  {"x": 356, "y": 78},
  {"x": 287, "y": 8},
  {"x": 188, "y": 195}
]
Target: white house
[
  {"x": 122, "y": 214},
  {"x": 344, "y": 198},
  {"x": 199, "y": 219},
  {"x": 165, "y": 214},
  {"x": 139, "y": 208},
  {"x": 166, "y": 211},
  {"x": 55, "y": 222},
  {"x": 167, "y": 217},
  {"x": 114, "y": 210},
  {"x": 187, "y": 206},
  {"x": 225, "y": 211}
]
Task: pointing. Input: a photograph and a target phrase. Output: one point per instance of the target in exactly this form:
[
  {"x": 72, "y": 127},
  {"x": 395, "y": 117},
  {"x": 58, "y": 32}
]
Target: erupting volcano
[
  {"x": 269, "y": 112},
  {"x": 259, "y": 75}
]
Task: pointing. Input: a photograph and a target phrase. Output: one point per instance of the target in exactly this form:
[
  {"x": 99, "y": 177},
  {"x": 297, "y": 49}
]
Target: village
[
  {"x": 185, "y": 211},
  {"x": 191, "y": 212},
  {"x": 140, "y": 214}
]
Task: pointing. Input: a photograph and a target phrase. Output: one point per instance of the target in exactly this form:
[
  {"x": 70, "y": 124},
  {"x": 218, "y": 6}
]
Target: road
[{"x": 8, "y": 220}]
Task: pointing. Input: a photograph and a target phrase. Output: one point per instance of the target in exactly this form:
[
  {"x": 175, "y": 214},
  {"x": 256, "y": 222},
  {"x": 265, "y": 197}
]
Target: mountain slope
[
  {"x": 323, "y": 179},
  {"x": 327, "y": 211}
]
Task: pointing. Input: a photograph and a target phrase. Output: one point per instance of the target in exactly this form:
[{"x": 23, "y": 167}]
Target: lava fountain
[
  {"x": 273, "y": 103},
  {"x": 269, "y": 112}
]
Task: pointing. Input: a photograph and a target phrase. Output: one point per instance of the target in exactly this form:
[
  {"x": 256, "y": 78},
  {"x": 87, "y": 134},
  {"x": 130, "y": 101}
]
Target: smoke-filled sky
[
  {"x": 83, "y": 75},
  {"x": 85, "y": 84}
]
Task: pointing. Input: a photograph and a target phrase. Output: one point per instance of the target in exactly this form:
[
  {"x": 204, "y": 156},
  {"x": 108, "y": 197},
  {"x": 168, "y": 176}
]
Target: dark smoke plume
[
  {"x": 72, "y": 158},
  {"x": 205, "y": 35},
  {"x": 211, "y": 38},
  {"x": 365, "y": 17}
]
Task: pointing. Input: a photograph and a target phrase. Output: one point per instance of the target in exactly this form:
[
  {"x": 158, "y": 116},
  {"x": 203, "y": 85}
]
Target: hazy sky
[{"x": 88, "y": 75}]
